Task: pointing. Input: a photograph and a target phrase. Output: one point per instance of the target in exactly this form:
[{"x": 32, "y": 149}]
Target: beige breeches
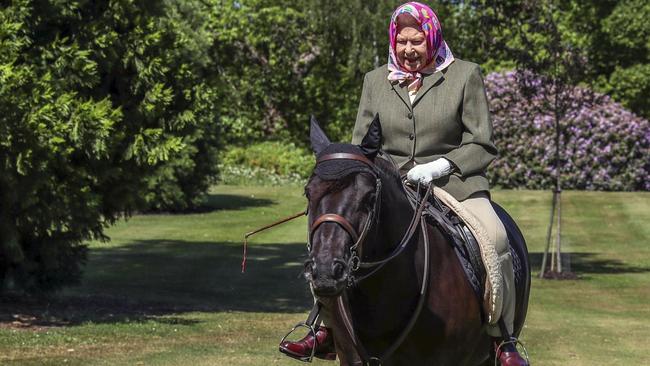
[{"x": 479, "y": 205}]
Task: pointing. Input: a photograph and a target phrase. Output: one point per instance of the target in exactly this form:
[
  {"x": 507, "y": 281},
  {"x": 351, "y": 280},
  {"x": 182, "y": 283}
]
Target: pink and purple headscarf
[{"x": 439, "y": 55}]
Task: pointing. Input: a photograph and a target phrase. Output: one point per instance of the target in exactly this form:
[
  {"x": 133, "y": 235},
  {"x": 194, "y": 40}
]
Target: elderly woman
[{"x": 436, "y": 126}]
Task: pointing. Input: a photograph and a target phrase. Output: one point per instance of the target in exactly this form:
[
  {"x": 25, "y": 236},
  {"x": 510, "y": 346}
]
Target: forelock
[{"x": 339, "y": 168}]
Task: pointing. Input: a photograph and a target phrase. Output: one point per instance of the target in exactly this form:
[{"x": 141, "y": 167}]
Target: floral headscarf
[{"x": 439, "y": 55}]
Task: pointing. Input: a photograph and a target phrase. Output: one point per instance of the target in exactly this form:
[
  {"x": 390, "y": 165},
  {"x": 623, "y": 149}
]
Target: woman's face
[{"x": 411, "y": 44}]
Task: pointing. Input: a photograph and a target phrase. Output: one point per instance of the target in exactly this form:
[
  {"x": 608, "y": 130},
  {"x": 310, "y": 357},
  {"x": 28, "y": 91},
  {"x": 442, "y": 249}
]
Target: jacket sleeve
[
  {"x": 476, "y": 150},
  {"x": 365, "y": 114}
]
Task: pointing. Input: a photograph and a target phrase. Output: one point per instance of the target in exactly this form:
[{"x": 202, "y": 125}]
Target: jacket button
[
  {"x": 410, "y": 115},
  {"x": 411, "y": 136}
]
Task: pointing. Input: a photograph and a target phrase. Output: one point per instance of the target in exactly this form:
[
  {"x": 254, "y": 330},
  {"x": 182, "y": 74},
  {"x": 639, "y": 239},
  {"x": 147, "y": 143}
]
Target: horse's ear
[
  {"x": 319, "y": 140},
  {"x": 371, "y": 142}
]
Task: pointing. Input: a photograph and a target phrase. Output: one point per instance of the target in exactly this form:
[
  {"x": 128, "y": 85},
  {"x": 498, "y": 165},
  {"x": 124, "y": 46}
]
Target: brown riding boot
[
  {"x": 508, "y": 354},
  {"x": 301, "y": 350}
]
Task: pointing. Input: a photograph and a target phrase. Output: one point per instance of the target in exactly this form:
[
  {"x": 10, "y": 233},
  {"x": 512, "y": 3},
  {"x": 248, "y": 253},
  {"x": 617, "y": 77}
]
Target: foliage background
[
  {"x": 116, "y": 106},
  {"x": 603, "y": 145},
  {"x": 105, "y": 108},
  {"x": 324, "y": 72},
  {"x": 287, "y": 59}
]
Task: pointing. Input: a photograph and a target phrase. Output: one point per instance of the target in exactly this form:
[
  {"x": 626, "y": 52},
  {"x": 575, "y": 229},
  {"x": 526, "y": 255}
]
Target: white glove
[{"x": 425, "y": 173}]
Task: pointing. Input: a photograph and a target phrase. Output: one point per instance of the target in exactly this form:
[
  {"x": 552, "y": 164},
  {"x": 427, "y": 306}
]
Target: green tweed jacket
[{"x": 448, "y": 118}]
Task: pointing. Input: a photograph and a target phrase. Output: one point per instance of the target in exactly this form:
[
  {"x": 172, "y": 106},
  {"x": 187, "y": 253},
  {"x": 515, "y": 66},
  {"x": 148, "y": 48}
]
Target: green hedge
[
  {"x": 266, "y": 163},
  {"x": 103, "y": 105}
]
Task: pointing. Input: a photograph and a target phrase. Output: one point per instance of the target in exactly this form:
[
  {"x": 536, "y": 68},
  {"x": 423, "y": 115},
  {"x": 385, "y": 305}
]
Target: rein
[
  {"x": 345, "y": 312},
  {"x": 406, "y": 239},
  {"x": 355, "y": 262}
]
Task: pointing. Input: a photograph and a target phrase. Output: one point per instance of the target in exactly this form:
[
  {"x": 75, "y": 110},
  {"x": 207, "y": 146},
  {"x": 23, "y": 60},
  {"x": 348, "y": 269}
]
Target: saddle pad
[{"x": 493, "y": 295}]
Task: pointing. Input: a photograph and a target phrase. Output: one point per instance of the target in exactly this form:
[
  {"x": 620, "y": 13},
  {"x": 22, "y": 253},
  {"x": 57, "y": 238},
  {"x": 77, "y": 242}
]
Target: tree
[
  {"x": 97, "y": 101},
  {"x": 546, "y": 59},
  {"x": 610, "y": 35},
  {"x": 282, "y": 60},
  {"x": 624, "y": 68}
]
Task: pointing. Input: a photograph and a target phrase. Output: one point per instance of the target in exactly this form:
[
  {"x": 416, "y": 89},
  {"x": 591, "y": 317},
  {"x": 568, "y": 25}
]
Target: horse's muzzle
[{"x": 328, "y": 278}]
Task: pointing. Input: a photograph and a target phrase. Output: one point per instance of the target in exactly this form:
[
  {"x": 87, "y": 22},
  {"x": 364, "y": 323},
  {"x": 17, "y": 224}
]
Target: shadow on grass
[
  {"x": 589, "y": 263},
  {"x": 215, "y": 202},
  {"x": 218, "y": 202},
  {"x": 146, "y": 279}
]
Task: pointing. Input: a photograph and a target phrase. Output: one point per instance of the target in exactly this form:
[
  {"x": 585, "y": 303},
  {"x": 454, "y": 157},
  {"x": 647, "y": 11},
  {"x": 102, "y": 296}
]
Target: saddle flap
[{"x": 492, "y": 297}]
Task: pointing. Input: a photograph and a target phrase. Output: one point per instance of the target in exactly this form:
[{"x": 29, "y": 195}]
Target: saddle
[{"x": 478, "y": 259}]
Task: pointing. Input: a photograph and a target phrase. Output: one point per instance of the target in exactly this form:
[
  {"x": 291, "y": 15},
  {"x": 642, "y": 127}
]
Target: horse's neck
[
  {"x": 398, "y": 278},
  {"x": 395, "y": 216}
]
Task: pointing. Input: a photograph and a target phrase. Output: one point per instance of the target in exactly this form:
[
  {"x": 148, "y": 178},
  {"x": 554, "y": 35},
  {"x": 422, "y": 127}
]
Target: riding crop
[{"x": 287, "y": 219}]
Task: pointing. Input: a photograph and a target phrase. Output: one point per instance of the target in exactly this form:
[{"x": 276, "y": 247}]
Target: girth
[{"x": 464, "y": 244}]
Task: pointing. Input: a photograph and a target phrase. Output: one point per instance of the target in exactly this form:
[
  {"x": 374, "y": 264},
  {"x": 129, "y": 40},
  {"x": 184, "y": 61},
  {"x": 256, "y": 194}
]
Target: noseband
[{"x": 354, "y": 261}]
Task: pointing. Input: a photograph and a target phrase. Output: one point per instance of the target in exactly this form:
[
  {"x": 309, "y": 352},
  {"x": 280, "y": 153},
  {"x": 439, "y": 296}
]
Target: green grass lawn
[{"x": 167, "y": 289}]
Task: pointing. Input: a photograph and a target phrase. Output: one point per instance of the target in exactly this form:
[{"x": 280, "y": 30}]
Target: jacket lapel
[
  {"x": 427, "y": 83},
  {"x": 402, "y": 92}
]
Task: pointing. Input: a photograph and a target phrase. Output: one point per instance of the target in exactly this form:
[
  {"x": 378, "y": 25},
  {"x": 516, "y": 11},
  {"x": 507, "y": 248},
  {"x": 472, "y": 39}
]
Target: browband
[{"x": 346, "y": 156}]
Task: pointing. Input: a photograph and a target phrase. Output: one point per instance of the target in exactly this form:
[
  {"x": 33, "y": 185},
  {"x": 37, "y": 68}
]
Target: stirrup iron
[
  {"x": 312, "y": 322},
  {"x": 312, "y": 331},
  {"x": 515, "y": 342}
]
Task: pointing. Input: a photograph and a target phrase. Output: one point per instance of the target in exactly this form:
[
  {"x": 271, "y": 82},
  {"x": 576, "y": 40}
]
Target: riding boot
[
  {"x": 507, "y": 353},
  {"x": 302, "y": 349}
]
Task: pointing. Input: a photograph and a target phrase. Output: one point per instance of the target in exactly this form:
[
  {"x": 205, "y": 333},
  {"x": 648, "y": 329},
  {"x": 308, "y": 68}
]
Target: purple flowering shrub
[{"x": 603, "y": 146}]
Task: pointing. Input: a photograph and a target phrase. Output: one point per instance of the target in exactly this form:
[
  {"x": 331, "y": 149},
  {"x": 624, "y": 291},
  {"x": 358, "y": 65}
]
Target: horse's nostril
[
  {"x": 338, "y": 269},
  {"x": 310, "y": 267}
]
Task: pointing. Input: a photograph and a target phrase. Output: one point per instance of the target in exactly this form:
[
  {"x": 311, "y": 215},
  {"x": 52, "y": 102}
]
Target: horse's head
[{"x": 343, "y": 194}]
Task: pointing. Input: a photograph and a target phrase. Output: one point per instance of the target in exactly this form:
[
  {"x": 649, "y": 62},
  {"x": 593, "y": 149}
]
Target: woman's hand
[{"x": 425, "y": 173}]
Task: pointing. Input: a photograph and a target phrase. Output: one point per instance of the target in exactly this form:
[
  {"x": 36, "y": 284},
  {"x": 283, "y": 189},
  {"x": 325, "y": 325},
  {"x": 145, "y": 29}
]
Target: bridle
[{"x": 355, "y": 263}]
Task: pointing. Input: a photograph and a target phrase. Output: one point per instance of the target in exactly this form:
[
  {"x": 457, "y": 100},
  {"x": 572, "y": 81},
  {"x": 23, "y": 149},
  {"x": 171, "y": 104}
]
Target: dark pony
[{"x": 359, "y": 213}]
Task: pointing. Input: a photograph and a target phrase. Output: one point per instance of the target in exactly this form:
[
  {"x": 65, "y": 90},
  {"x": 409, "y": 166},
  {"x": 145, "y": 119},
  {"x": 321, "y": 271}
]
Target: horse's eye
[{"x": 369, "y": 199}]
